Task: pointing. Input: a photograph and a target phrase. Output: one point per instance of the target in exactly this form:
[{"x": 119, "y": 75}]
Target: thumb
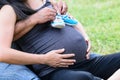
[
  {"x": 54, "y": 4},
  {"x": 88, "y": 56}
]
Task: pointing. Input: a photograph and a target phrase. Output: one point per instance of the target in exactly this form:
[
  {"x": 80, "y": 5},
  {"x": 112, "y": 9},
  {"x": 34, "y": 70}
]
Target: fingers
[
  {"x": 67, "y": 55},
  {"x": 55, "y": 6},
  {"x": 64, "y": 9},
  {"x": 65, "y": 64},
  {"x": 51, "y": 18},
  {"x": 51, "y": 14},
  {"x": 60, "y": 5},
  {"x": 64, "y": 55},
  {"x": 59, "y": 50},
  {"x": 62, "y": 66},
  {"x": 68, "y": 61},
  {"x": 52, "y": 10},
  {"x": 88, "y": 56},
  {"x": 89, "y": 46},
  {"x": 88, "y": 49},
  {"x": 46, "y": 14},
  {"x": 56, "y": 59}
]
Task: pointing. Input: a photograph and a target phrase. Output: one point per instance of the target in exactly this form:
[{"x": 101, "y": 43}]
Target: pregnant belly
[
  {"x": 72, "y": 42},
  {"x": 51, "y": 39}
]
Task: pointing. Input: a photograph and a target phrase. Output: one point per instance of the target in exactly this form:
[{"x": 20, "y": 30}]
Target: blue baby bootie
[
  {"x": 58, "y": 22},
  {"x": 69, "y": 21}
]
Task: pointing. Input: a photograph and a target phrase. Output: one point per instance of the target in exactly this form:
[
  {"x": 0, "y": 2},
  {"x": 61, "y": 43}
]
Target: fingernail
[
  {"x": 73, "y": 54},
  {"x": 72, "y": 63},
  {"x": 63, "y": 49},
  {"x": 74, "y": 60}
]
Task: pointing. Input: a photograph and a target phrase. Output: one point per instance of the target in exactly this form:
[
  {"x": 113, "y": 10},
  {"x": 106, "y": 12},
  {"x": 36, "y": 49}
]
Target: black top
[{"x": 44, "y": 38}]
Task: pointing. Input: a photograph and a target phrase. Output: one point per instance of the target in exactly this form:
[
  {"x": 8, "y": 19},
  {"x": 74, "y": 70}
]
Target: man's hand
[
  {"x": 54, "y": 58},
  {"x": 44, "y": 15},
  {"x": 60, "y": 6}
]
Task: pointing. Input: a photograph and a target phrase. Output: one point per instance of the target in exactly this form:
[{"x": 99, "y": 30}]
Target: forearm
[
  {"x": 52, "y": 1},
  {"x": 12, "y": 56},
  {"x": 80, "y": 28},
  {"x": 22, "y": 27}
]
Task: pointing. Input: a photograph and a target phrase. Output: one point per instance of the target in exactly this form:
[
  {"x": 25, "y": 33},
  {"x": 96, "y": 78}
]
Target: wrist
[
  {"x": 33, "y": 20},
  {"x": 42, "y": 59}
]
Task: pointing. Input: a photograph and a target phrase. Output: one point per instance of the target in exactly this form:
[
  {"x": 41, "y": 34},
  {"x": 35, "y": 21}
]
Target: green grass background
[{"x": 101, "y": 20}]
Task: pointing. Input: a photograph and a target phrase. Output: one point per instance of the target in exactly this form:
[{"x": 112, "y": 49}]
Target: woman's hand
[
  {"x": 89, "y": 47},
  {"x": 61, "y": 6},
  {"x": 80, "y": 28},
  {"x": 44, "y": 15},
  {"x": 54, "y": 58}
]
